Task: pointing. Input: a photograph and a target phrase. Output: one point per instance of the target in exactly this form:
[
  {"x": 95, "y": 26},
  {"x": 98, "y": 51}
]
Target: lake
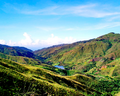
[{"x": 61, "y": 67}]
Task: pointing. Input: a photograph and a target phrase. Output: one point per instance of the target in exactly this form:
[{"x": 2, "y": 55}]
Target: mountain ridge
[
  {"x": 91, "y": 68},
  {"x": 16, "y": 51},
  {"x": 88, "y": 55}
]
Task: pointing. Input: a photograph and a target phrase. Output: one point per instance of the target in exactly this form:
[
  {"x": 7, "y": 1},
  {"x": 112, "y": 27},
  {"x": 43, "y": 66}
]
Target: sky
[{"x": 37, "y": 24}]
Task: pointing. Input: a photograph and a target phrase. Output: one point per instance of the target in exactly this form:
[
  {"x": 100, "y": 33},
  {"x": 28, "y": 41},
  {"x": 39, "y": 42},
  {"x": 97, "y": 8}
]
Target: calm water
[{"x": 61, "y": 67}]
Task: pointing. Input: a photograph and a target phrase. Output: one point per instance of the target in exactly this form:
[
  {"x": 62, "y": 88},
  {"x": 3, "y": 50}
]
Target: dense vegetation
[
  {"x": 96, "y": 56},
  {"x": 18, "y": 51},
  {"x": 91, "y": 69},
  {"x": 20, "y": 79}
]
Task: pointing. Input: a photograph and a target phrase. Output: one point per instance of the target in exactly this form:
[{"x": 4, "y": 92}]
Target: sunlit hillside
[
  {"x": 19, "y": 79},
  {"x": 97, "y": 56},
  {"x": 91, "y": 68}
]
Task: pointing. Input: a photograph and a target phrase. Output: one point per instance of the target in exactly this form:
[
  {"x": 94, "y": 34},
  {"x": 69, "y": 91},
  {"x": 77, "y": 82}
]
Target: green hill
[
  {"x": 19, "y": 51},
  {"x": 91, "y": 57},
  {"x": 91, "y": 69},
  {"x": 16, "y": 51},
  {"x": 20, "y": 79},
  {"x": 21, "y": 59},
  {"x": 33, "y": 62}
]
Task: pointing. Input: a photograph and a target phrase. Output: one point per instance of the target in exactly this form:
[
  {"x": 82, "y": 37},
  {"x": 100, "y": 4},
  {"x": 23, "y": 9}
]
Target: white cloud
[
  {"x": 45, "y": 11},
  {"x": 105, "y": 25},
  {"x": 55, "y": 40},
  {"x": 86, "y": 10},
  {"x": 92, "y": 10},
  {"x": 115, "y": 18},
  {"x": 27, "y": 40},
  {"x": 2, "y": 41},
  {"x": 24, "y": 42},
  {"x": 11, "y": 43},
  {"x": 52, "y": 35},
  {"x": 36, "y": 44}
]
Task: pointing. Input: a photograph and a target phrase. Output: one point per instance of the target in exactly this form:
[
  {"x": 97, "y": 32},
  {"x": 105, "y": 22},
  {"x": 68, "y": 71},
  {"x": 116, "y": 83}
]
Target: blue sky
[{"x": 36, "y": 24}]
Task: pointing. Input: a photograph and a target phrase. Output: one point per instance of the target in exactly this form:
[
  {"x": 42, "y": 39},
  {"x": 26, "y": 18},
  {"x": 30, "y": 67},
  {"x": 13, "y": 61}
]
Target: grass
[
  {"x": 112, "y": 70},
  {"x": 16, "y": 78},
  {"x": 20, "y": 59},
  {"x": 77, "y": 56},
  {"x": 118, "y": 94},
  {"x": 82, "y": 79}
]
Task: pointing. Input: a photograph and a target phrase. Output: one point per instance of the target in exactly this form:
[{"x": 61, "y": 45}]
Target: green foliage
[
  {"x": 94, "y": 56},
  {"x": 16, "y": 51},
  {"x": 20, "y": 59},
  {"x": 98, "y": 59},
  {"x": 109, "y": 87},
  {"x": 25, "y": 79}
]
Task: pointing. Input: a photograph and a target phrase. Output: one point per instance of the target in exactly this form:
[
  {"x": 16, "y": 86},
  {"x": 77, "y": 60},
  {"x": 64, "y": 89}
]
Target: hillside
[
  {"x": 91, "y": 69},
  {"x": 21, "y": 59},
  {"x": 18, "y": 51},
  {"x": 96, "y": 56},
  {"x": 20, "y": 79}
]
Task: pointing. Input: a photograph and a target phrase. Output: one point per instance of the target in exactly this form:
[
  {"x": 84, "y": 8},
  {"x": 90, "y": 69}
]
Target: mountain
[
  {"x": 16, "y": 51},
  {"x": 21, "y": 55},
  {"x": 96, "y": 56},
  {"x": 21, "y": 59},
  {"x": 55, "y": 48},
  {"x": 19, "y": 51},
  {"x": 91, "y": 69}
]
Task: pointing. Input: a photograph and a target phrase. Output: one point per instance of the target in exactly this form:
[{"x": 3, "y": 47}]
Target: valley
[{"x": 83, "y": 68}]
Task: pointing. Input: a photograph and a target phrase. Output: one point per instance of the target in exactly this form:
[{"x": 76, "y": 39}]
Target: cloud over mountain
[{"x": 38, "y": 43}]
